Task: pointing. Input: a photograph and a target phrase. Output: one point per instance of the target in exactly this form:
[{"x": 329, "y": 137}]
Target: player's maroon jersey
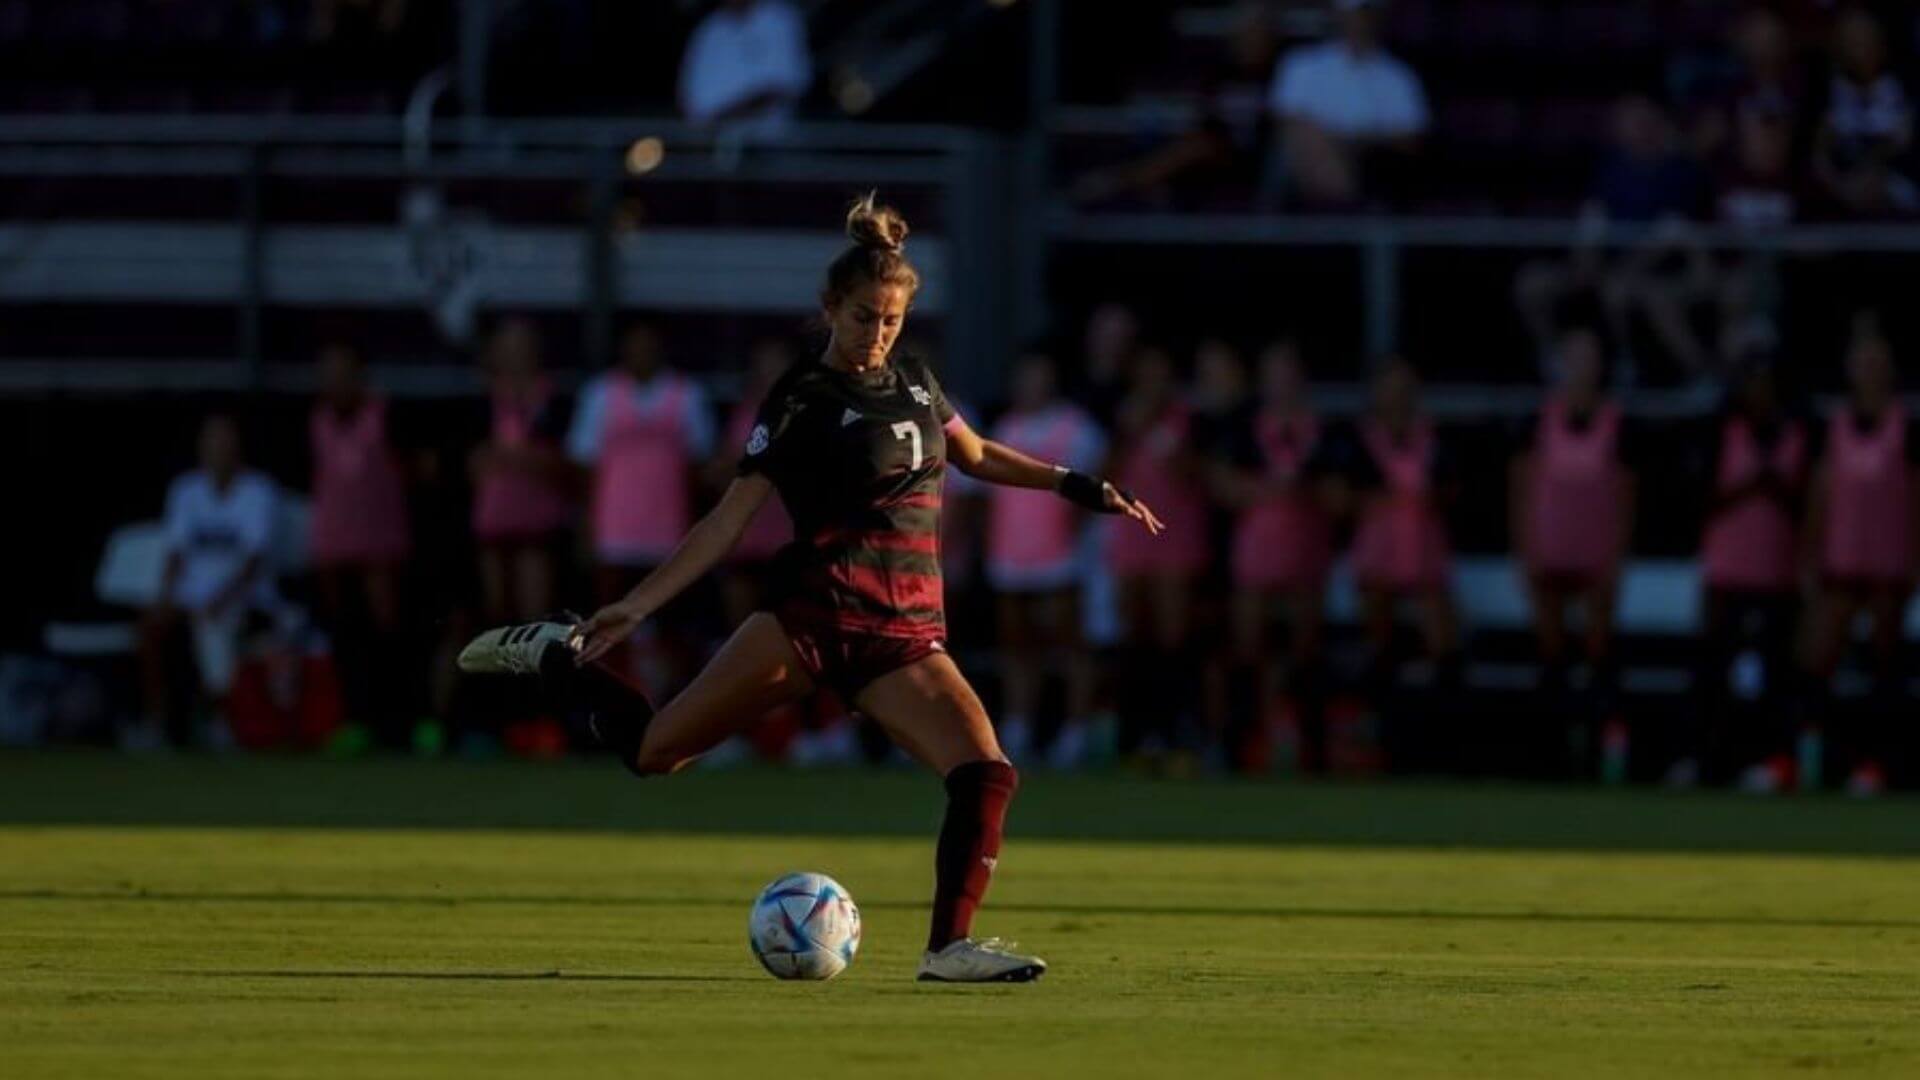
[{"x": 858, "y": 460}]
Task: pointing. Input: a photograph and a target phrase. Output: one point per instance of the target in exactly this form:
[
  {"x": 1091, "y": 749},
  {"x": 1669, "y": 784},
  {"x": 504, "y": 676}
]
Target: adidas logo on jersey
[{"x": 849, "y": 417}]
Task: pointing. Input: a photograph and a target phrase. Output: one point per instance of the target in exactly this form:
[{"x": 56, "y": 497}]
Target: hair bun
[{"x": 873, "y": 226}]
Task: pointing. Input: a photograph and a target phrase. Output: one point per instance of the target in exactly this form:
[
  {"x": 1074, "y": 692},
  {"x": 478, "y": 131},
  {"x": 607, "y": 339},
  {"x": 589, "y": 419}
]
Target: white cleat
[
  {"x": 988, "y": 960},
  {"x": 513, "y": 650}
]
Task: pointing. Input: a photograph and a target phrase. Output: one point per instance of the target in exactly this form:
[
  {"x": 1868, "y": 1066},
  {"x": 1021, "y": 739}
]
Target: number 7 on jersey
[{"x": 907, "y": 429}]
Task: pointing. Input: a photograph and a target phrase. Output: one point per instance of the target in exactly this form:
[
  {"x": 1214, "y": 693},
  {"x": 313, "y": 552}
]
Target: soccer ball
[{"x": 804, "y": 926}]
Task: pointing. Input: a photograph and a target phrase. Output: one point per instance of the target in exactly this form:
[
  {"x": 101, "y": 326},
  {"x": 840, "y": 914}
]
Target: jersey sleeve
[
  {"x": 1089, "y": 447},
  {"x": 583, "y": 437},
  {"x": 256, "y": 516},
  {"x": 775, "y": 438},
  {"x": 177, "y": 523},
  {"x": 943, "y": 409},
  {"x": 698, "y": 423}
]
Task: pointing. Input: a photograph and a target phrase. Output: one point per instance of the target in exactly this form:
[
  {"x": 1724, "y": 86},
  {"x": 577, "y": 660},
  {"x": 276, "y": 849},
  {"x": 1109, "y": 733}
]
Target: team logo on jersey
[
  {"x": 849, "y": 417},
  {"x": 920, "y": 395},
  {"x": 757, "y": 439}
]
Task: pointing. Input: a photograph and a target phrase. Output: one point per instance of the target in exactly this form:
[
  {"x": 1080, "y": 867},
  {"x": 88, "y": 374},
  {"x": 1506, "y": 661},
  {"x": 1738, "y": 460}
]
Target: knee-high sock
[
  {"x": 620, "y": 709},
  {"x": 977, "y": 797}
]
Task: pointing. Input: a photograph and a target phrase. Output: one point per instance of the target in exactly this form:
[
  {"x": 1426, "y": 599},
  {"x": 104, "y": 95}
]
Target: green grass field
[{"x": 269, "y": 918}]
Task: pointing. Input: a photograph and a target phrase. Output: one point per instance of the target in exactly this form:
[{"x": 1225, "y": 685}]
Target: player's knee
[
  {"x": 975, "y": 779},
  {"x": 655, "y": 761}
]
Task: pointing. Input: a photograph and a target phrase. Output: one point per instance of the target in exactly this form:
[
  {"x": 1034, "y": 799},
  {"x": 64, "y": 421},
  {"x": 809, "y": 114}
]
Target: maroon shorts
[{"x": 845, "y": 661}]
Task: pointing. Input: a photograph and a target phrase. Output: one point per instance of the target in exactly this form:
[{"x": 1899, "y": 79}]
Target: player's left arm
[{"x": 997, "y": 463}]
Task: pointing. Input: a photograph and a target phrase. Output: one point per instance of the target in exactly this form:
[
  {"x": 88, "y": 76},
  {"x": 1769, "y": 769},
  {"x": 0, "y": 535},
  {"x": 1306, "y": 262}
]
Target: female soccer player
[
  {"x": 1273, "y": 474},
  {"x": 855, "y": 443},
  {"x": 1860, "y": 528},
  {"x": 1153, "y": 452},
  {"x": 1572, "y": 516},
  {"x": 641, "y": 429},
  {"x": 1034, "y": 563},
  {"x": 360, "y": 540},
  {"x": 520, "y": 504},
  {"x": 1749, "y": 566}
]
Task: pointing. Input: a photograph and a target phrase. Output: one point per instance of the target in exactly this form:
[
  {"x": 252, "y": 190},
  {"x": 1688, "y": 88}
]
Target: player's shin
[{"x": 977, "y": 797}]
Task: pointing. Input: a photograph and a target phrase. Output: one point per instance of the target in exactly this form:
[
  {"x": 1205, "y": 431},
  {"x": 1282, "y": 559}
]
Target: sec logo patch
[{"x": 757, "y": 439}]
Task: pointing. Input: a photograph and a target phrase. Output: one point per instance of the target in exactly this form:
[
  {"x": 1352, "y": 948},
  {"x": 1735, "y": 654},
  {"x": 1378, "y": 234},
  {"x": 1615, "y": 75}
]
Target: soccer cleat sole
[{"x": 1027, "y": 974}]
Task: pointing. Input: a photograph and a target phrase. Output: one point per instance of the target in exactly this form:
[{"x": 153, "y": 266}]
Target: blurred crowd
[{"x": 1208, "y": 648}]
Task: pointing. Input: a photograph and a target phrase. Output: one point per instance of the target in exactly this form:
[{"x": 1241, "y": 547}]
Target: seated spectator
[
  {"x": 1217, "y": 158},
  {"x": 1645, "y": 180},
  {"x": 219, "y": 526},
  {"x": 1861, "y": 156},
  {"x": 1763, "y": 74},
  {"x": 1352, "y": 115},
  {"x": 746, "y": 66}
]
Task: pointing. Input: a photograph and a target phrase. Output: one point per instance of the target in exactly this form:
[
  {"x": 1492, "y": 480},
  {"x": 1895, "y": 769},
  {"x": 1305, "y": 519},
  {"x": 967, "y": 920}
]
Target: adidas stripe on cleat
[{"x": 513, "y": 650}]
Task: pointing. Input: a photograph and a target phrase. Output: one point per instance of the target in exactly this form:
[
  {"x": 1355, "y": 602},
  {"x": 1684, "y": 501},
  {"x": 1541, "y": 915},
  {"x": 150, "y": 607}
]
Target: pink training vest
[
  {"x": 1147, "y": 470},
  {"x": 1573, "y": 502},
  {"x": 1751, "y": 544},
  {"x": 359, "y": 496},
  {"x": 770, "y": 528},
  {"x": 512, "y": 503},
  {"x": 1284, "y": 541},
  {"x": 1401, "y": 542},
  {"x": 640, "y": 482},
  {"x": 1867, "y": 532},
  {"x": 1030, "y": 530}
]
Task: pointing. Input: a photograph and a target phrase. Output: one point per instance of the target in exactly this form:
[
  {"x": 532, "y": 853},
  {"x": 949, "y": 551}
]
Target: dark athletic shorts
[{"x": 846, "y": 662}]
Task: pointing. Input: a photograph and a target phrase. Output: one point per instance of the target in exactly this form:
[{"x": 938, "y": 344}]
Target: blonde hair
[{"x": 879, "y": 236}]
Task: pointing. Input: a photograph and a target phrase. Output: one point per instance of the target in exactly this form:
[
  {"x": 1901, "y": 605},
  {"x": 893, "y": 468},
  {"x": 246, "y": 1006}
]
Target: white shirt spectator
[
  {"x": 737, "y": 55},
  {"x": 1350, "y": 95},
  {"x": 215, "y": 532},
  {"x": 1873, "y": 114},
  {"x": 588, "y": 432}
]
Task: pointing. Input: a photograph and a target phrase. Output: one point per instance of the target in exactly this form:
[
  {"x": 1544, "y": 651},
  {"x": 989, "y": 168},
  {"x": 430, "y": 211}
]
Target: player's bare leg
[
  {"x": 755, "y": 672},
  {"x": 930, "y": 710}
]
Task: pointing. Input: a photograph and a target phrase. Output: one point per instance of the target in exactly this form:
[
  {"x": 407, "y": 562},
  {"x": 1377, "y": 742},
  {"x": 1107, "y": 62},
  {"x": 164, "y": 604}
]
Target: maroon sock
[{"x": 977, "y": 797}]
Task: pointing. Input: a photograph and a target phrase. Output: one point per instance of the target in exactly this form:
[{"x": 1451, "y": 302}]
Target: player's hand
[
  {"x": 608, "y": 627},
  {"x": 1118, "y": 502}
]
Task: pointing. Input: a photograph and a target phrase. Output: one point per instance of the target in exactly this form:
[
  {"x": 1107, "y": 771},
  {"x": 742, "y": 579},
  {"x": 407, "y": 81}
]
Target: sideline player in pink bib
[
  {"x": 1860, "y": 528},
  {"x": 742, "y": 583},
  {"x": 359, "y": 541},
  {"x": 1571, "y": 512},
  {"x": 1749, "y": 571},
  {"x": 1400, "y": 550},
  {"x": 521, "y": 505},
  {"x": 641, "y": 430},
  {"x": 1155, "y": 576},
  {"x": 856, "y": 444},
  {"x": 1034, "y": 562},
  {"x": 1275, "y": 474}
]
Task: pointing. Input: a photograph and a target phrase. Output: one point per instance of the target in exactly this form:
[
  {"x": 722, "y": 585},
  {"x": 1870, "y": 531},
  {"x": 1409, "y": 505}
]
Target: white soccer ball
[{"x": 804, "y": 926}]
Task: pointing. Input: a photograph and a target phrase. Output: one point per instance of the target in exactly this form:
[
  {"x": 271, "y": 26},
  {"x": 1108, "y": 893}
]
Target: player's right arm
[{"x": 710, "y": 538}]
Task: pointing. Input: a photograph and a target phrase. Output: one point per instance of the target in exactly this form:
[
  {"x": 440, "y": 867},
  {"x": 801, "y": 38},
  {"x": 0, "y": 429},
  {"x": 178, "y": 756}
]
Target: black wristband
[{"x": 1088, "y": 491}]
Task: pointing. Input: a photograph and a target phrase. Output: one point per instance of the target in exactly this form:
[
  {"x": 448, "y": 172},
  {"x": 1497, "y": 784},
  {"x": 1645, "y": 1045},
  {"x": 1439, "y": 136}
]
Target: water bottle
[
  {"x": 1613, "y": 752},
  {"x": 1807, "y": 753}
]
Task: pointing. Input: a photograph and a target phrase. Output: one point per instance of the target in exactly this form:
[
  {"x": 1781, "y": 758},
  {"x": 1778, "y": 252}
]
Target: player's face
[
  {"x": 1580, "y": 364},
  {"x": 340, "y": 374},
  {"x": 639, "y": 352},
  {"x": 866, "y": 322},
  {"x": 515, "y": 349},
  {"x": 1758, "y": 395},
  {"x": 1870, "y": 369},
  {"x": 1033, "y": 383},
  {"x": 219, "y": 447},
  {"x": 1281, "y": 381},
  {"x": 1396, "y": 393}
]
